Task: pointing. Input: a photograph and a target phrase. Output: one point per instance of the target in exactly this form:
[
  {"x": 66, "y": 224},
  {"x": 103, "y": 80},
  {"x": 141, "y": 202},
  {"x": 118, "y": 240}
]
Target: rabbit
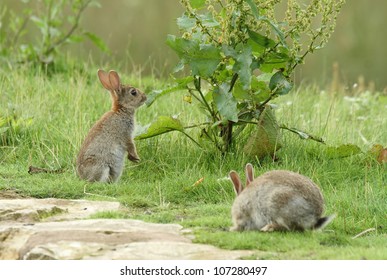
[
  {"x": 102, "y": 154},
  {"x": 278, "y": 200}
]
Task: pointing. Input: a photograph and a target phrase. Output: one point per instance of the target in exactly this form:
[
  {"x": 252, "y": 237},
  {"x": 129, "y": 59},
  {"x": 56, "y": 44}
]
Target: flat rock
[
  {"x": 51, "y": 209},
  {"x": 58, "y": 229}
]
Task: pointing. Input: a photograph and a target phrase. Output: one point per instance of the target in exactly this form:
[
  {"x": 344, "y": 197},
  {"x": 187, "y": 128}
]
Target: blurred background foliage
[{"x": 135, "y": 32}]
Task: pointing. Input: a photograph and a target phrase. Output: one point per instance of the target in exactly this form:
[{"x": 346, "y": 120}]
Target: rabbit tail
[{"x": 323, "y": 222}]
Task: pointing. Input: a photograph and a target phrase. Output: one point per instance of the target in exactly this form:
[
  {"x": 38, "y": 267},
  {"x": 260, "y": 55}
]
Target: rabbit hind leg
[
  {"x": 100, "y": 175},
  {"x": 113, "y": 175},
  {"x": 273, "y": 227}
]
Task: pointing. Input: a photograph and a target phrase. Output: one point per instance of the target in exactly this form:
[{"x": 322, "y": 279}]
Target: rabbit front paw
[
  {"x": 271, "y": 227},
  {"x": 274, "y": 227},
  {"x": 133, "y": 157}
]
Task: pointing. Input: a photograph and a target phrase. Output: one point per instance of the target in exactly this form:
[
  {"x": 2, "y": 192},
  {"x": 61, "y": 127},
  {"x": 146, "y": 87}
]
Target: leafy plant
[
  {"x": 55, "y": 28},
  {"x": 238, "y": 55},
  {"x": 12, "y": 128}
]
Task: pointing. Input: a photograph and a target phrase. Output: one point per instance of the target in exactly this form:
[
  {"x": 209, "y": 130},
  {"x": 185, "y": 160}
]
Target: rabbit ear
[
  {"x": 114, "y": 80},
  {"x": 236, "y": 182},
  {"x": 249, "y": 173},
  {"x": 104, "y": 79}
]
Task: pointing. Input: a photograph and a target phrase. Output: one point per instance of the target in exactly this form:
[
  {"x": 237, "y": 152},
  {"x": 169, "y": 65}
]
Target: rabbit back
[
  {"x": 102, "y": 155},
  {"x": 281, "y": 199}
]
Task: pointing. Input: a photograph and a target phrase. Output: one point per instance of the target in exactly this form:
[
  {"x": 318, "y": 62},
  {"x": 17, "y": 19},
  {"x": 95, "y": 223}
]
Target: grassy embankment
[{"x": 161, "y": 188}]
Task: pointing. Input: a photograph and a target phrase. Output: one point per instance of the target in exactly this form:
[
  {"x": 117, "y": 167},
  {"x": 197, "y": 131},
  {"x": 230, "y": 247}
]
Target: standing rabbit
[
  {"x": 102, "y": 155},
  {"x": 277, "y": 200}
]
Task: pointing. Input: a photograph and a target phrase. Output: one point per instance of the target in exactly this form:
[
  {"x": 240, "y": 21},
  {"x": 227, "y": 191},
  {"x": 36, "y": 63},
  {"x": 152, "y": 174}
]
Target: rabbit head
[
  {"x": 123, "y": 96},
  {"x": 238, "y": 186}
]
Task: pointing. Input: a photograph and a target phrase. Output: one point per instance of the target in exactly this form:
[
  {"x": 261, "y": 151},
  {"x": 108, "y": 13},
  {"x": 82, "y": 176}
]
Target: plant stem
[
  {"x": 267, "y": 100},
  {"x": 311, "y": 137},
  {"x": 227, "y": 136},
  {"x": 310, "y": 49},
  {"x": 193, "y": 140},
  {"x": 60, "y": 41},
  {"x": 214, "y": 140},
  {"x": 47, "y": 40},
  {"x": 247, "y": 122},
  {"x": 198, "y": 88},
  {"x": 197, "y": 125},
  {"x": 233, "y": 81},
  {"x": 190, "y": 90},
  {"x": 19, "y": 31}
]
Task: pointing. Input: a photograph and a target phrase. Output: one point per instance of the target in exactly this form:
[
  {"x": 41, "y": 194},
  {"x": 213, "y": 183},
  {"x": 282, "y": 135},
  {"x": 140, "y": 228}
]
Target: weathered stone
[
  {"x": 46, "y": 229},
  {"x": 151, "y": 250},
  {"x": 51, "y": 209}
]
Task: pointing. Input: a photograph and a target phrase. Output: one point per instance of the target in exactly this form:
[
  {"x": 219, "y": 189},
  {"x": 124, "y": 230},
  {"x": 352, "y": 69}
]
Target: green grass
[{"x": 161, "y": 188}]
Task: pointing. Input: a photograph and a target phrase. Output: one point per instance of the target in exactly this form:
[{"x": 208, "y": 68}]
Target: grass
[{"x": 161, "y": 188}]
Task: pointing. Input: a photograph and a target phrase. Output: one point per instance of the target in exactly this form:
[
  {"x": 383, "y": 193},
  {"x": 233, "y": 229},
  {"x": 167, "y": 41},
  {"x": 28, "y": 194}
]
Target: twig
[
  {"x": 19, "y": 31},
  {"x": 198, "y": 88},
  {"x": 191, "y": 91},
  {"x": 36, "y": 170},
  {"x": 196, "y": 125},
  {"x": 233, "y": 81},
  {"x": 298, "y": 132},
  {"x": 99, "y": 195},
  {"x": 71, "y": 31},
  {"x": 268, "y": 99},
  {"x": 193, "y": 140},
  {"x": 363, "y": 232},
  {"x": 247, "y": 122},
  {"x": 200, "y": 24},
  {"x": 309, "y": 50}
]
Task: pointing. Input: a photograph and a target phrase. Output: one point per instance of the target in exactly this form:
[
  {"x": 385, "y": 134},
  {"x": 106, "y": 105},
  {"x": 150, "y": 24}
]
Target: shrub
[
  {"x": 55, "y": 28},
  {"x": 238, "y": 55}
]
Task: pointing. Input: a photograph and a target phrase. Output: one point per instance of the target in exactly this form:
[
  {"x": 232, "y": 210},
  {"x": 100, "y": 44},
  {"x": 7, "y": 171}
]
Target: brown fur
[
  {"x": 277, "y": 200},
  {"x": 101, "y": 157}
]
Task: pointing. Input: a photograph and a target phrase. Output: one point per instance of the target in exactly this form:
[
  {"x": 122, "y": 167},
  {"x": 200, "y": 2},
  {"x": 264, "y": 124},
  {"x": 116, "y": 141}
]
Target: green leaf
[
  {"x": 239, "y": 93},
  {"x": 203, "y": 59},
  {"x": 197, "y": 4},
  {"x": 303, "y": 135},
  {"x": 182, "y": 47},
  {"x": 260, "y": 89},
  {"x": 279, "y": 84},
  {"x": 97, "y": 41},
  {"x": 75, "y": 39},
  {"x": 275, "y": 60},
  {"x": 243, "y": 59},
  {"x": 242, "y": 66},
  {"x": 254, "y": 8},
  {"x": 179, "y": 67},
  {"x": 180, "y": 85},
  {"x": 95, "y": 4},
  {"x": 208, "y": 20},
  {"x": 265, "y": 140},
  {"x": 262, "y": 41},
  {"x": 341, "y": 151},
  {"x": 162, "y": 125},
  {"x": 277, "y": 30},
  {"x": 3, "y": 129},
  {"x": 4, "y": 121},
  {"x": 226, "y": 103},
  {"x": 40, "y": 23},
  {"x": 207, "y": 60},
  {"x": 331, "y": 152},
  {"x": 186, "y": 23}
]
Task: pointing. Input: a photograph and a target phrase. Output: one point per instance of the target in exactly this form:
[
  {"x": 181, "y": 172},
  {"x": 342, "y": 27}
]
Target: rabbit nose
[{"x": 144, "y": 97}]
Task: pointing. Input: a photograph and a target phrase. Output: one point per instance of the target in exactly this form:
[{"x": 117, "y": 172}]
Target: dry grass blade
[{"x": 363, "y": 232}]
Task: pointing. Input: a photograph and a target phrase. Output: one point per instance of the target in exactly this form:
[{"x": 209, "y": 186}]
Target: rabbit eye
[{"x": 133, "y": 92}]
